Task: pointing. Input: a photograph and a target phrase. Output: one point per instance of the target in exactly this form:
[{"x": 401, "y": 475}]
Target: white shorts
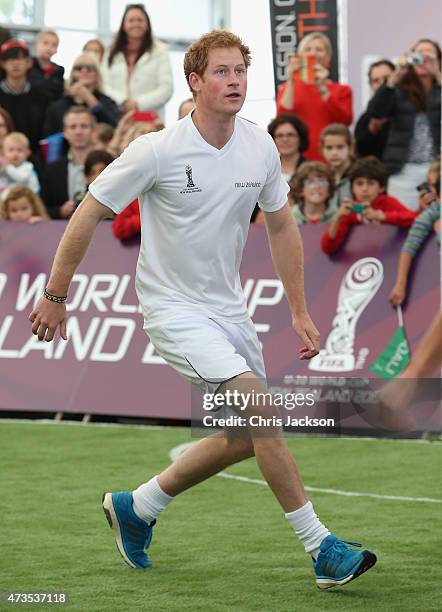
[{"x": 208, "y": 352}]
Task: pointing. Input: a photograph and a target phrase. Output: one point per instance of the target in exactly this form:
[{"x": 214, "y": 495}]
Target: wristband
[{"x": 54, "y": 298}]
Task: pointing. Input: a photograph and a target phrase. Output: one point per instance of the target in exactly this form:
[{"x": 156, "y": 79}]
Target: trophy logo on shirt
[
  {"x": 190, "y": 187},
  {"x": 358, "y": 287},
  {"x": 190, "y": 182}
]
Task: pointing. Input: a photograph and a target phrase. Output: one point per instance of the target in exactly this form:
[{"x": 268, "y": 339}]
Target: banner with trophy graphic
[
  {"x": 291, "y": 20},
  {"x": 109, "y": 366},
  {"x": 358, "y": 287}
]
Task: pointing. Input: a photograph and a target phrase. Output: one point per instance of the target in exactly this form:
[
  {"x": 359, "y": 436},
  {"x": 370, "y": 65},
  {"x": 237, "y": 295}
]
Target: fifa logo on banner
[{"x": 357, "y": 289}]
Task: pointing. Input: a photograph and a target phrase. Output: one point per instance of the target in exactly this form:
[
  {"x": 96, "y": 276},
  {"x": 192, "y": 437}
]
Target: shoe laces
[{"x": 340, "y": 547}]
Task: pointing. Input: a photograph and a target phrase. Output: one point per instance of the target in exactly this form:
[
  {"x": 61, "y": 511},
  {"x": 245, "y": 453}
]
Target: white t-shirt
[{"x": 195, "y": 208}]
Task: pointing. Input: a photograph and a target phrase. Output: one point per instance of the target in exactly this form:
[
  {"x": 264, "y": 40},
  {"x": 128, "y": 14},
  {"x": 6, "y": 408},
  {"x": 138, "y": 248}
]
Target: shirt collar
[{"x": 8, "y": 90}]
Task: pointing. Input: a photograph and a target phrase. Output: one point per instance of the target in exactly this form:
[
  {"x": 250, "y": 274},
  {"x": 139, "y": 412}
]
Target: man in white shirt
[{"x": 197, "y": 183}]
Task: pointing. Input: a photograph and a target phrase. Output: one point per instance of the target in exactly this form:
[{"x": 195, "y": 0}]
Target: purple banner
[{"x": 109, "y": 366}]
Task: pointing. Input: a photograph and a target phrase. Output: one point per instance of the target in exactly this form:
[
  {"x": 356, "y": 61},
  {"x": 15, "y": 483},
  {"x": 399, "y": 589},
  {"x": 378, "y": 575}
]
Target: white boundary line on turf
[
  {"x": 81, "y": 424},
  {"x": 178, "y": 450},
  {"x": 338, "y": 492}
]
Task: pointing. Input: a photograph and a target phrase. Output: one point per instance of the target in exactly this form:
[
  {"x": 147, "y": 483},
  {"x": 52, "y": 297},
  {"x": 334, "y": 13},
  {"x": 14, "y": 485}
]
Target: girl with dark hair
[
  {"x": 411, "y": 100},
  {"x": 137, "y": 71},
  {"x": 291, "y": 139},
  {"x": 311, "y": 191}
]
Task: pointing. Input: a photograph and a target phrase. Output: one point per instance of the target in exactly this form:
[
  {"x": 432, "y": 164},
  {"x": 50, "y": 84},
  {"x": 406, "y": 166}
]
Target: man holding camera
[{"x": 371, "y": 133}]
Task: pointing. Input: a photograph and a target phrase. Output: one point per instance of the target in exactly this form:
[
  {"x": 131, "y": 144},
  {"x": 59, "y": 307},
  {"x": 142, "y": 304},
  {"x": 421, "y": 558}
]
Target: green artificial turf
[{"x": 222, "y": 546}]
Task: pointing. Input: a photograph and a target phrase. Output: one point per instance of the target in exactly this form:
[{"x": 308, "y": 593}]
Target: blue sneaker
[
  {"x": 132, "y": 534},
  {"x": 337, "y": 564}
]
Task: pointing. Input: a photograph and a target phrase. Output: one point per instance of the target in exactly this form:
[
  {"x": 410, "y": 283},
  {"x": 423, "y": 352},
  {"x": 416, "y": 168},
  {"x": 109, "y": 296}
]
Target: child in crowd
[
  {"x": 311, "y": 190},
  {"x": 14, "y": 169},
  {"x": 94, "y": 164},
  {"x": 103, "y": 135},
  {"x": 426, "y": 191},
  {"x": 94, "y": 45},
  {"x": 434, "y": 175},
  {"x": 337, "y": 149},
  {"x": 25, "y": 102},
  {"x": 426, "y": 222},
  {"x": 368, "y": 179},
  {"x": 22, "y": 204},
  {"x": 44, "y": 72}
]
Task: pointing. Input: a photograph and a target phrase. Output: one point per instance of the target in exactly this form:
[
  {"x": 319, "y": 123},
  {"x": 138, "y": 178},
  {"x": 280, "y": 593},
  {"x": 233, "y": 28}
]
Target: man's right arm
[{"x": 48, "y": 315}]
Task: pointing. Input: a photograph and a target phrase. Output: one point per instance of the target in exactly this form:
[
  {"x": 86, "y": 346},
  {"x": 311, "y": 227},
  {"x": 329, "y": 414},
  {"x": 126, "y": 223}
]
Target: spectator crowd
[{"x": 58, "y": 132}]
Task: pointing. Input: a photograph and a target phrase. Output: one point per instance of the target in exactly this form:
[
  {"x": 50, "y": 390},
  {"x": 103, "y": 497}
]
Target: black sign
[{"x": 291, "y": 20}]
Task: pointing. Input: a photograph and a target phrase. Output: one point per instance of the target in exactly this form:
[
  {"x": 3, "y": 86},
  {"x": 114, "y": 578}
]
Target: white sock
[
  {"x": 150, "y": 500},
  {"x": 308, "y": 528}
]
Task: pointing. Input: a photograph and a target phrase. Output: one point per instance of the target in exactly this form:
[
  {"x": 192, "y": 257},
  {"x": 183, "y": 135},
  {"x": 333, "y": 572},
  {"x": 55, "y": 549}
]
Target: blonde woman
[
  {"x": 84, "y": 88},
  {"x": 319, "y": 102}
]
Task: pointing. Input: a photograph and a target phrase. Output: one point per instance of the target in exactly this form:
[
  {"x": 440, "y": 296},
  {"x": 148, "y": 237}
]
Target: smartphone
[
  {"x": 358, "y": 208},
  {"x": 306, "y": 72},
  {"x": 147, "y": 116}
]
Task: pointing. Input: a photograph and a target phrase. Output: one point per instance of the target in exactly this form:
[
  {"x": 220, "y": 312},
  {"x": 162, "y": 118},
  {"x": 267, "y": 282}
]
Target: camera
[
  {"x": 424, "y": 188},
  {"x": 357, "y": 207},
  {"x": 415, "y": 59}
]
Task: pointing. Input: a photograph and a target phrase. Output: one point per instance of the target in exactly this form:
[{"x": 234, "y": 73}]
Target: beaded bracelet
[{"x": 54, "y": 298}]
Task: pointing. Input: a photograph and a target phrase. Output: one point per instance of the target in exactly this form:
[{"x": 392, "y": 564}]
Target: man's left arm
[{"x": 288, "y": 257}]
